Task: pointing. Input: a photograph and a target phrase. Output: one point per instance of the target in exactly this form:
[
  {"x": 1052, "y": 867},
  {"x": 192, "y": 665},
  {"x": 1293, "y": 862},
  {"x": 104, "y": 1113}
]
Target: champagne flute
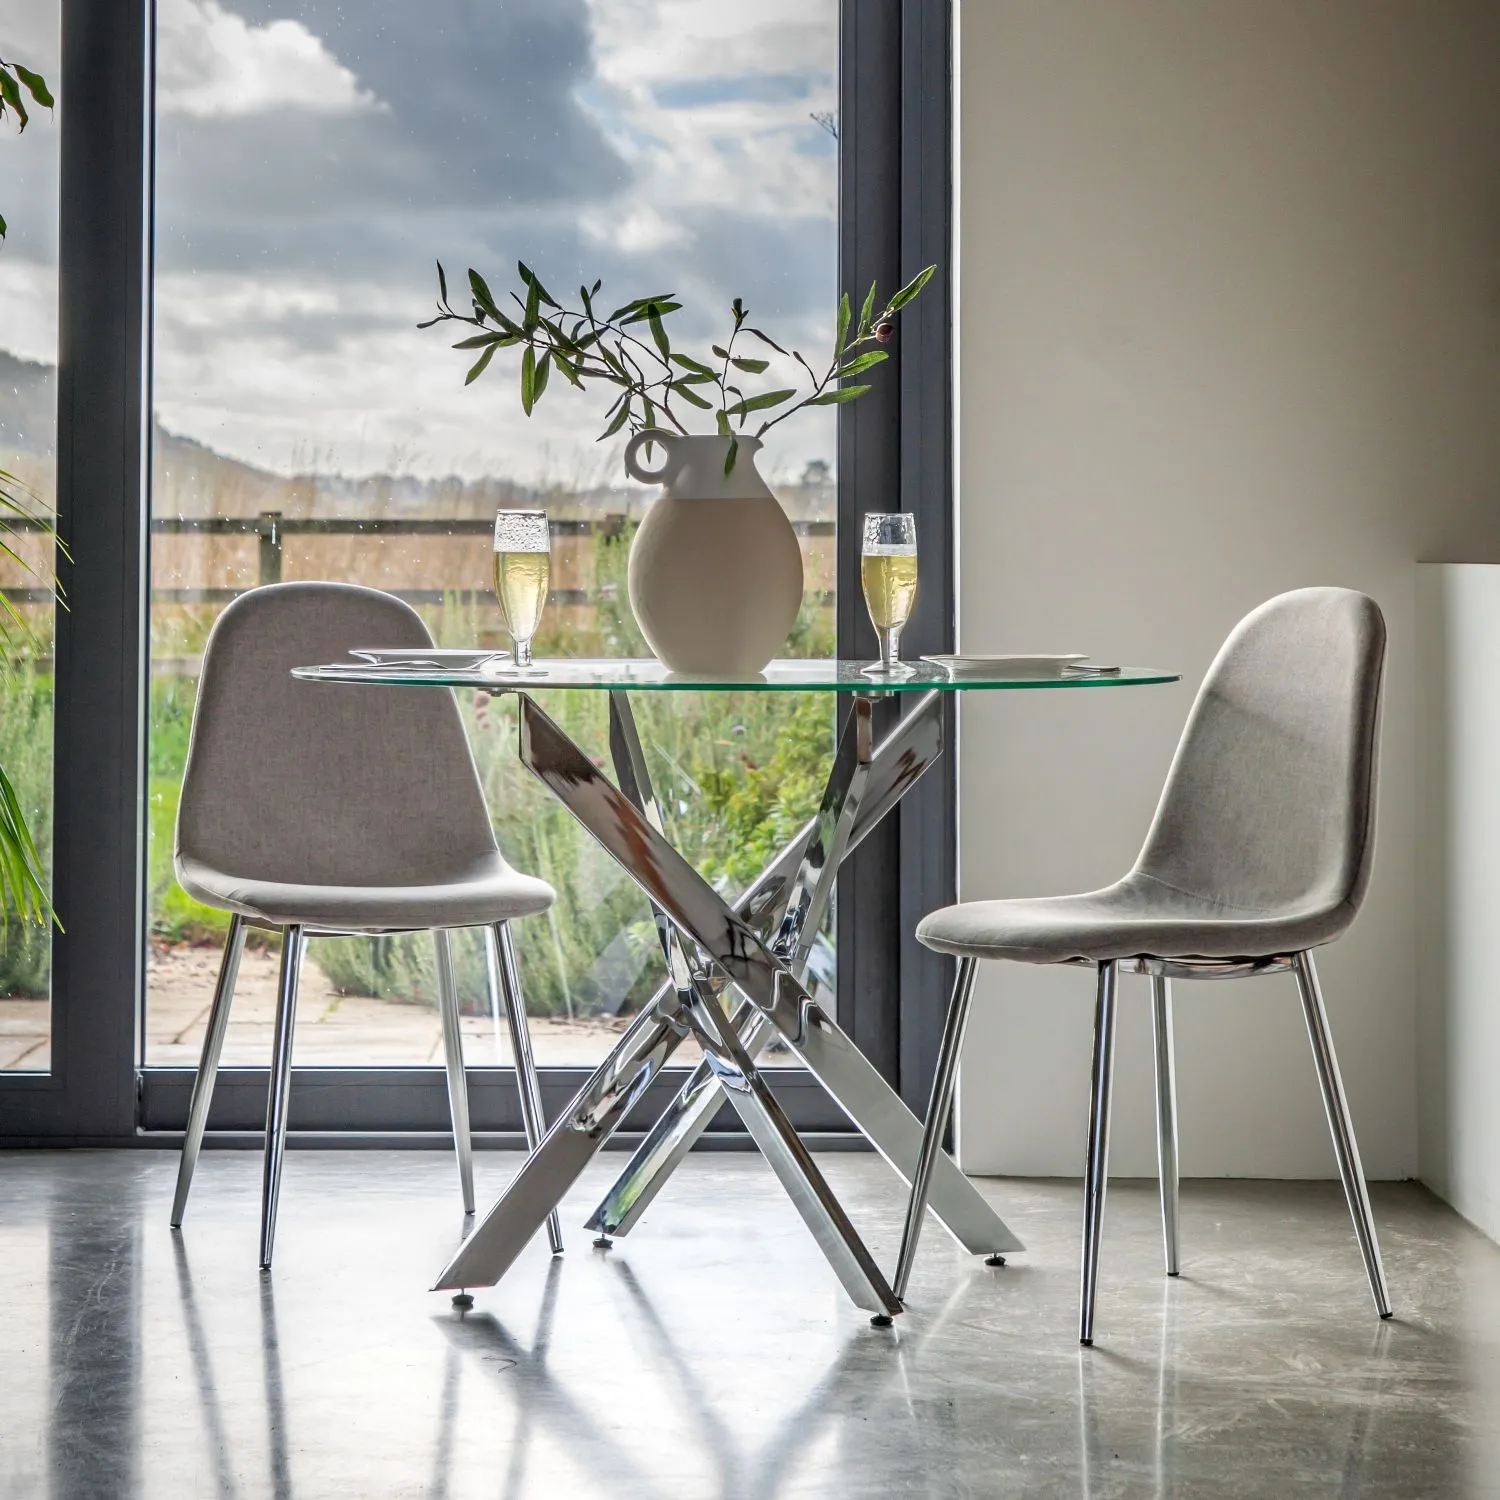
[
  {"x": 523, "y": 574},
  {"x": 888, "y": 572}
]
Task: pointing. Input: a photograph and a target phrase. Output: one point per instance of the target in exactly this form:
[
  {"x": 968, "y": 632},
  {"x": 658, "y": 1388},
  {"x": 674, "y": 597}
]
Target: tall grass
[{"x": 737, "y": 774}]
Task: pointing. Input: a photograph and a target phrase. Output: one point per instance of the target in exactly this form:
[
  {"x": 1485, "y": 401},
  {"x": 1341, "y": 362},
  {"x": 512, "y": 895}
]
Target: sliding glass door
[
  {"x": 313, "y": 161},
  {"x": 254, "y": 197}
]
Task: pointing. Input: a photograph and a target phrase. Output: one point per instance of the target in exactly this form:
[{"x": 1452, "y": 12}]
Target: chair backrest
[
  {"x": 319, "y": 783},
  {"x": 1270, "y": 802}
]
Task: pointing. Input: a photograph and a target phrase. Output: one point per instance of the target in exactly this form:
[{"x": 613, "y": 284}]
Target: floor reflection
[{"x": 713, "y": 1355}]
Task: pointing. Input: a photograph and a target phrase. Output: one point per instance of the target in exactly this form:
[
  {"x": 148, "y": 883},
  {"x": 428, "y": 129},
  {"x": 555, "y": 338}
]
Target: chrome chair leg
[
  {"x": 1336, "y": 1106},
  {"x": 292, "y": 943},
  {"x": 1096, "y": 1166},
  {"x": 527, "y": 1087},
  {"x": 453, "y": 1057},
  {"x": 208, "y": 1065},
  {"x": 1166, "y": 1114},
  {"x": 943, "y": 1081}
]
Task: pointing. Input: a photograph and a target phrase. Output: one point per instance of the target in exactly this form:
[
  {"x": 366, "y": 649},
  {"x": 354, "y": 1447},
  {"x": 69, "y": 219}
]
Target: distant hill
[
  {"x": 28, "y": 404},
  {"x": 191, "y": 479}
]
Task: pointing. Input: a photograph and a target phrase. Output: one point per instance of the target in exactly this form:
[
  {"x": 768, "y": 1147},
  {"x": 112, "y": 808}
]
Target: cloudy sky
[{"x": 316, "y": 156}]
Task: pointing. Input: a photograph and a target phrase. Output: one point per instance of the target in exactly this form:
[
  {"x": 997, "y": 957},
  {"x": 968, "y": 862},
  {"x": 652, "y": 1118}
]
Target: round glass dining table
[{"x": 736, "y": 970}]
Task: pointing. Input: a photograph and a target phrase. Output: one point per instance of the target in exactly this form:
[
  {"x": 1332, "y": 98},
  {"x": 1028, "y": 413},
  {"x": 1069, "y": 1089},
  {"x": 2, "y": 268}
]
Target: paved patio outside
[{"x": 331, "y": 1028}]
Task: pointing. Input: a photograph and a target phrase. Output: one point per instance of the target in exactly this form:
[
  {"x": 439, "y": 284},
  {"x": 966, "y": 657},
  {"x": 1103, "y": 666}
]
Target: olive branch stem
[{"x": 650, "y": 374}]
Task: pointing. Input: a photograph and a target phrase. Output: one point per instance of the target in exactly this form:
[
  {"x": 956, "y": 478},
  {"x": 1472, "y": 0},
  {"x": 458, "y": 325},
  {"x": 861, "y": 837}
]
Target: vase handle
[{"x": 643, "y": 440}]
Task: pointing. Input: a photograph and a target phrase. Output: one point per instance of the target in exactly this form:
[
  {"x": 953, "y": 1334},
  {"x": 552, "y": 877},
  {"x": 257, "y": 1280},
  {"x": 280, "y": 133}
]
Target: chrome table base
[{"x": 759, "y": 947}]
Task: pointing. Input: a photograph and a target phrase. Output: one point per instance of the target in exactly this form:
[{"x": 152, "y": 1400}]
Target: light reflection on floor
[{"x": 712, "y": 1353}]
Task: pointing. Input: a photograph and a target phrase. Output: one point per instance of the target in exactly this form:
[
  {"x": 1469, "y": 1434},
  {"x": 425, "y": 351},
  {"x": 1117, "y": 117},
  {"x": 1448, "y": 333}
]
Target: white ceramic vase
[{"x": 715, "y": 569}]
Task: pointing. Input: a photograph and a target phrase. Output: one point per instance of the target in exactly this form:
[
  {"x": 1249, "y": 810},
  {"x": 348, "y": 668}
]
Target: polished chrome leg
[
  {"x": 890, "y": 771},
  {"x": 733, "y": 943},
  {"x": 527, "y": 1086},
  {"x": 1345, "y": 1147},
  {"x": 771, "y": 1130},
  {"x": 492, "y": 977},
  {"x": 943, "y": 1081},
  {"x": 572, "y": 1142},
  {"x": 1166, "y": 1114},
  {"x": 208, "y": 1065},
  {"x": 453, "y": 1056},
  {"x": 279, "y": 1097},
  {"x": 1096, "y": 1166}
]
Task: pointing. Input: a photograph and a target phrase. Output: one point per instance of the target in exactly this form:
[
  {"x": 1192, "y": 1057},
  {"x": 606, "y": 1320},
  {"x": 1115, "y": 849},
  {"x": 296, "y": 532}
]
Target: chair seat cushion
[
  {"x": 1139, "y": 917},
  {"x": 489, "y": 892}
]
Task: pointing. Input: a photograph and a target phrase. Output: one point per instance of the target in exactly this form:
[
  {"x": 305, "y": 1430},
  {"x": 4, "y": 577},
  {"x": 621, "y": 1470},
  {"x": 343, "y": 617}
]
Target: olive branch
[
  {"x": 13, "y": 78},
  {"x": 631, "y": 349}
]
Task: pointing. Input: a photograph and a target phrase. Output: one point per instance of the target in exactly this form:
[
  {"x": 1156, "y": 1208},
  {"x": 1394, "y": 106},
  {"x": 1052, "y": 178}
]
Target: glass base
[{"x": 894, "y": 671}]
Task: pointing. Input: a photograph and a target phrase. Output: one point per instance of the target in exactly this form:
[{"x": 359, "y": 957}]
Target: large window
[
  {"x": 313, "y": 159},
  {"x": 28, "y": 473}
]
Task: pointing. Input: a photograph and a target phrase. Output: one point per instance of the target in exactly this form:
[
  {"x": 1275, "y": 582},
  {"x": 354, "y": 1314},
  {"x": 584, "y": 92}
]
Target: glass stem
[
  {"x": 890, "y": 646},
  {"x": 523, "y": 651}
]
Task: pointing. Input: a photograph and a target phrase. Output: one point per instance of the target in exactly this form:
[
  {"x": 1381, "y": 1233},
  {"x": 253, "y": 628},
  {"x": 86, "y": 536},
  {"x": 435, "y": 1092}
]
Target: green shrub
[
  {"x": 26, "y": 753},
  {"x": 737, "y": 775}
]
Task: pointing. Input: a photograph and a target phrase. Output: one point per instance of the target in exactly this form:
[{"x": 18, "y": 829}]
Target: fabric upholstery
[
  {"x": 330, "y": 804},
  {"x": 1263, "y": 840}
]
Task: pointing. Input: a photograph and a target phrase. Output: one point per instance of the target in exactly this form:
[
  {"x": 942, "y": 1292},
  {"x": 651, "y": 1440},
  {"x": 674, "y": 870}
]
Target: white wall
[
  {"x": 1230, "y": 324},
  {"x": 1458, "y": 764}
]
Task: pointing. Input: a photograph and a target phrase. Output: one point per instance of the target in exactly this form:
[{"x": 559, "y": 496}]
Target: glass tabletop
[{"x": 791, "y": 676}]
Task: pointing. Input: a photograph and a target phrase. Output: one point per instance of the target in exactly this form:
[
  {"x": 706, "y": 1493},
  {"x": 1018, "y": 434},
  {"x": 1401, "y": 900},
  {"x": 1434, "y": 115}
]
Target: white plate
[
  {"x": 466, "y": 660},
  {"x": 984, "y": 666}
]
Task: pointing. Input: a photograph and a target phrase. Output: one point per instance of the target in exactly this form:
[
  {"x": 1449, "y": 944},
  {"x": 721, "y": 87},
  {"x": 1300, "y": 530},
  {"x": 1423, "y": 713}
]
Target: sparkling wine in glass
[
  {"x": 523, "y": 574},
  {"x": 888, "y": 572}
]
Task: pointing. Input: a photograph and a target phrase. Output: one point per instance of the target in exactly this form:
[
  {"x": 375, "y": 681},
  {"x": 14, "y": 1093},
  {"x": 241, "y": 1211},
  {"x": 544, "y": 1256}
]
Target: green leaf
[
  {"x": 766, "y": 339},
  {"x": 721, "y": 421},
  {"x": 751, "y": 366},
  {"x": 866, "y": 313},
  {"x": 20, "y": 866},
  {"x": 533, "y": 313},
  {"x": 12, "y": 96},
  {"x": 843, "y": 333},
  {"x": 731, "y": 455},
  {"x": 479, "y": 341},
  {"x": 760, "y": 403},
  {"x": 587, "y": 300},
  {"x": 442, "y": 285},
  {"x": 650, "y": 414},
  {"x": 36, "y": 86},
  {"x": 481, "y": 364},
  {"x": 911, "y": 289},
  {"x": 687, "y": 362},
  {"x": 481, "y": 291},
  {"x": 722, "y": 353},
  {"x": 621, "y": 418},
  {"x": 530, "y": 278},
  {"x": 863, "y": 362},
  {"x": 660, "y": 309},
  {"x": 837, "y": 398},
  {"x": 737, "y": 307},
  {"x": 528, "y": 380},
  {"x": 658, "y": 333},
  {"x": 638, "y": 305},
  {"x": 2, "y": 226},
  {"x": 543, "y": 370},
  {"x": 570, "y": 371},
  {"x": 688, "y": 394}
]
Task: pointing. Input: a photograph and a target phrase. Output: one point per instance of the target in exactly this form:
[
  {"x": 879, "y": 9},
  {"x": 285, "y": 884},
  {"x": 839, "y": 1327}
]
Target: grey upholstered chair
[
  {"x": 1260, "y": 851},
  {"x": 325, "y": 810}
]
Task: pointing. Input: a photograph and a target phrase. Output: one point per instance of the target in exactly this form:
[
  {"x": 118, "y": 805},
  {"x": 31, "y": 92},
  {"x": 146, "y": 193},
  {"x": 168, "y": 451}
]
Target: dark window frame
[{"x": 894, "y": 453}]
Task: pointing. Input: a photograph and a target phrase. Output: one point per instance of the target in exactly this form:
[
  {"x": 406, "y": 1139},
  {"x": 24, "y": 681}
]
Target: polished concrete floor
[{"x": 712, "y": 1354}]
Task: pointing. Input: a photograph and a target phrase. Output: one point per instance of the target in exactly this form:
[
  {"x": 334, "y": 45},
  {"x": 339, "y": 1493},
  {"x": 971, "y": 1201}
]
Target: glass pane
[
  {"x": 29, "y": 34},
  {"x": 314, "y": 159}
]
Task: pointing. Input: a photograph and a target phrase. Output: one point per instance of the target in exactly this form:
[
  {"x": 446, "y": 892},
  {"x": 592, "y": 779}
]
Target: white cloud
[{"x": 215, "y": 63}]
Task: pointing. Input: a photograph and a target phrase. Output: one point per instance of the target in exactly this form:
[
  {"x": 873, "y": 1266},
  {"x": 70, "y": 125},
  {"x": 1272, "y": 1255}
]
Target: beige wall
[{"x": 1230, "y": 324}]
